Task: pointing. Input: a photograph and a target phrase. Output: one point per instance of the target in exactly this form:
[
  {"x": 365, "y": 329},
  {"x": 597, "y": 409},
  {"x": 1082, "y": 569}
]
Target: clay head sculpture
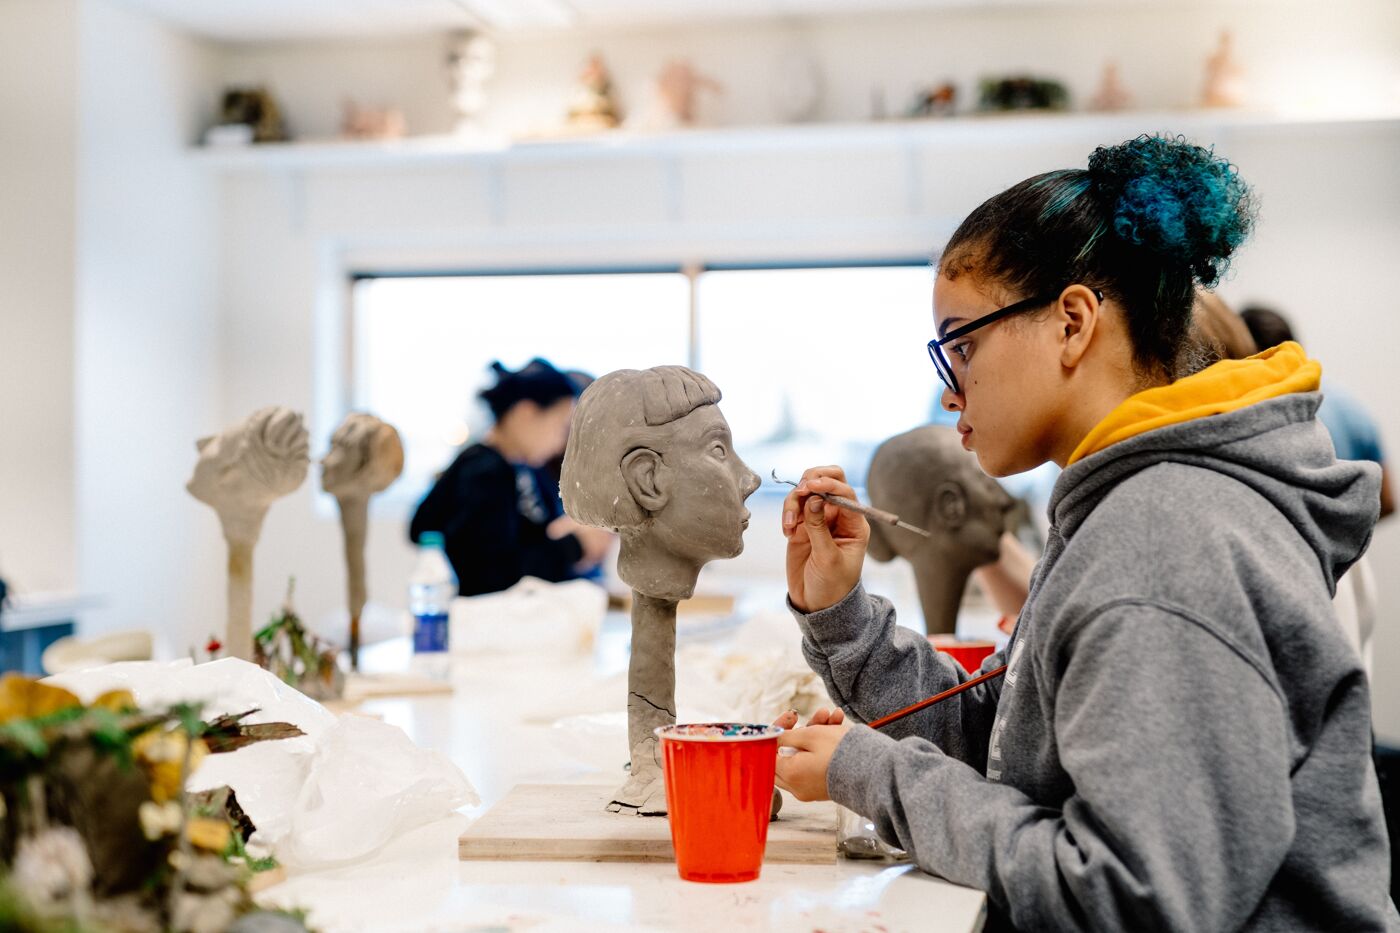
[
  {"x": 929, "y": 480},
  {"x": 650, "y": 457},
  {"x": 366, "y": 456},
  {"x": 240, "y": 472}
]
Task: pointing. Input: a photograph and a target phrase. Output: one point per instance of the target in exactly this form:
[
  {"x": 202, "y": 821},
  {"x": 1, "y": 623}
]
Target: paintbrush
[
  {"x": 869, "y": 511},
  {"x": 937, "y": 697}
]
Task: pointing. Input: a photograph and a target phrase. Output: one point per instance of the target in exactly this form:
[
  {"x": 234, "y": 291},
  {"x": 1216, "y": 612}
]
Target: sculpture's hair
[
  {"x": 619, "y": 413},
  {"x": 360, "y": 435},
  {"x": 1147, "y": 222},
  {"x": 271, "y": 444}
]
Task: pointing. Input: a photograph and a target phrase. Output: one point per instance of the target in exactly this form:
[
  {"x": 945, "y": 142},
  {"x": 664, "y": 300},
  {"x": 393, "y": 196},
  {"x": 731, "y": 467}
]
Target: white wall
[
  {"x": 38, "y": 146},
  {"x": 147, "y": 373}
]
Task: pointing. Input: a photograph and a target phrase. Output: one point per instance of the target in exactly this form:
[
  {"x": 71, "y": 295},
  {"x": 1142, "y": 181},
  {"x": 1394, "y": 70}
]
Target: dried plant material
[{"x": 26, "y": 698}]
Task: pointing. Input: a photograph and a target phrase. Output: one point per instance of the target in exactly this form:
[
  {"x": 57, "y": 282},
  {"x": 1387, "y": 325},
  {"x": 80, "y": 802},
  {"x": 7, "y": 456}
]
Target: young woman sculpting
[{"x": 1182, "y": 740}]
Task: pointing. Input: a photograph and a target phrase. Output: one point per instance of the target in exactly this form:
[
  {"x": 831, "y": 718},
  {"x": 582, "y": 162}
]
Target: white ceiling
[{"x": 273, "y": 20}]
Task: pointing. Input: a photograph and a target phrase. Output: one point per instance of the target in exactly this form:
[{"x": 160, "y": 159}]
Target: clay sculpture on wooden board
[
  {"x": 240, "y": 472},
  {"x": 925, "y": 477},
  {"x": 650, "y": 457},
  {"x": 366, "y": 456}
]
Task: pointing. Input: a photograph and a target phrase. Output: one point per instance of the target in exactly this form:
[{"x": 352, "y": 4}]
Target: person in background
[
  {"x": 1354, "y": 433},
  {"x": 499, "y": 515}
]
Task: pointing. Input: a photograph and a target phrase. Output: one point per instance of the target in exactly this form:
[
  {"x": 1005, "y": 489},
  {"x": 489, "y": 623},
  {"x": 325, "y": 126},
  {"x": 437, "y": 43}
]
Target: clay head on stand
[
  {"x": 650, "y": 457},
  {"x": 926, "y": 478},
  {"x": 240, "y": 473},
  {"x": 366, "y": 455}
]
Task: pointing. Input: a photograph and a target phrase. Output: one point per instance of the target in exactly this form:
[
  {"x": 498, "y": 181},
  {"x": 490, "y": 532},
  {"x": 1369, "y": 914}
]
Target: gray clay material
[
  {"x": 650, "y": 457},
  {"x": 926, "y": 478}
]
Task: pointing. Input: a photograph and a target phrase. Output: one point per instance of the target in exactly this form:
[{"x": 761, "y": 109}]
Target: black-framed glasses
[{"x": 935, "y": 346}]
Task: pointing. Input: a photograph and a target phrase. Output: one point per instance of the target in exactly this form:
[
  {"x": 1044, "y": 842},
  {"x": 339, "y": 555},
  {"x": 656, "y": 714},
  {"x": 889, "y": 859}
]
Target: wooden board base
[{"x": 568, "y": 822}]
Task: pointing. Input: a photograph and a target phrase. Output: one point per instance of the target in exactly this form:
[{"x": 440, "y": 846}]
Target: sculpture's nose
[{"x": 751, "y": 480}]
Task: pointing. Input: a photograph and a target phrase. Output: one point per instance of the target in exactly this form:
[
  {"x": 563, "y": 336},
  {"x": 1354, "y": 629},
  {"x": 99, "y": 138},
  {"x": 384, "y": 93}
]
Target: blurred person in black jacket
[{"x": 496, "y": 507}]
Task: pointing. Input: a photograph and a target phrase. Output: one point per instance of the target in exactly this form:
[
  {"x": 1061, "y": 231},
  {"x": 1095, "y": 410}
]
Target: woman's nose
[{"x": 951, "y": 401}]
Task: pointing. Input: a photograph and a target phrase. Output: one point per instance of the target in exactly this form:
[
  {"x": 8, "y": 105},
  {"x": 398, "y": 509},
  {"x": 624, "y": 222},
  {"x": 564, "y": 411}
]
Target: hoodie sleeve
[
  {"x": 872, "y": 667},
  {"x": 1182, "y": 812}
]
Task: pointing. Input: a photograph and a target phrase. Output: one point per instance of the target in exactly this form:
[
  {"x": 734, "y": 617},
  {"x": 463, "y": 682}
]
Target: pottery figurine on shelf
[
  {"x": 1225, "y": 81},
  {"x": 470, "y": 65},
  {"x": 677, "y": 91},
  {"x": 1111, "y": 94},
  {"x": 939, "y": 101},
  {"x": 372, "y": 122},
  {"x": 593, "y": 105}
]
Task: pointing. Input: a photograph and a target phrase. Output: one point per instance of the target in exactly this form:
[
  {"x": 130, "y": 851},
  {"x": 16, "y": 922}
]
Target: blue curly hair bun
[{"x": 1176, "y": 200}]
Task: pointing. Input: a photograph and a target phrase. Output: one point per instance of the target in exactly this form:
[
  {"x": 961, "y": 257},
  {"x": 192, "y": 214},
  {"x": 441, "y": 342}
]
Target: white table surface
[{"x": 417, "y": 882}]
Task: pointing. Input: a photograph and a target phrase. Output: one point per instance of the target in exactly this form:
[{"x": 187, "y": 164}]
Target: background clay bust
[
  {"x": 366, "y": 456},
  {"x": 926, "y": 478},
  {"x": 650, "y": 457},
  {"x": 241, "y": 471}
]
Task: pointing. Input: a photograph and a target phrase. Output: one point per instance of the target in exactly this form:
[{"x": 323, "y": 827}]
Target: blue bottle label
[{"x": 430, "y": 633}]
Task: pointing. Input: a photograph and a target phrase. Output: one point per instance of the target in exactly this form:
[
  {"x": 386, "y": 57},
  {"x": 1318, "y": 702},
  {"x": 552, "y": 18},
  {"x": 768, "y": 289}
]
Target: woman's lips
[{"x": 965, "y": 433}]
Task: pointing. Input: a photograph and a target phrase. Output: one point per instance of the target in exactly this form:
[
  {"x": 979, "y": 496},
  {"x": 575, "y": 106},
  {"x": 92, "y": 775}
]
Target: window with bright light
[
  {"x": 423, "y": 346},
  {"x": 817, "y": 365}
]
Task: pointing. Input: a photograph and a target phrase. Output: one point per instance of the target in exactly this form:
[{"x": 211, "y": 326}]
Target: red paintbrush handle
[{"x": 937, "y": 697}]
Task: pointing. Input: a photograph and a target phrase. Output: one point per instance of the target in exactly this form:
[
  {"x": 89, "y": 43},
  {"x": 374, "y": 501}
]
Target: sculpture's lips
[{"x": 744, "y": 522}]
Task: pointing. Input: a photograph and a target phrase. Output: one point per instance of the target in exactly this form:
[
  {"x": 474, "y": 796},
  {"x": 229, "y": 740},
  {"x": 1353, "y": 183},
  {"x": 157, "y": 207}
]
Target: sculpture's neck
[
  {"x": 243, "y": 525},
  {"x": 941, "y": 587},
  {"x": 658, "y": 573}
]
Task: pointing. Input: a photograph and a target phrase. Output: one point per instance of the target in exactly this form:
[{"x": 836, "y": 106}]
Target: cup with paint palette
[{"x": 719, "y": 791}]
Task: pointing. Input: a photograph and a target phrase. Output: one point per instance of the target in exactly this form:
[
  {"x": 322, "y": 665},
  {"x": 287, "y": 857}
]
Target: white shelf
[{"x": 930, "y": 133}]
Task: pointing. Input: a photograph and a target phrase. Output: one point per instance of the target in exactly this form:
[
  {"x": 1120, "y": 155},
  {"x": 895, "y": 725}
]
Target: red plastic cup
[
  {"x": 970, "y": 654},
  {"x": 719, "y": 791}
]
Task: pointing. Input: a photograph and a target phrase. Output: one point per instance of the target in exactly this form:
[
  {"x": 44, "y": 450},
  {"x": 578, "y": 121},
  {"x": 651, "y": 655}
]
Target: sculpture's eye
[{"x": 719, "y": 452}]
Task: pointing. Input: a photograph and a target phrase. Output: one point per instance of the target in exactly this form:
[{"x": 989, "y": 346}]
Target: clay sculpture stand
[{"x": 568, "y": 822}]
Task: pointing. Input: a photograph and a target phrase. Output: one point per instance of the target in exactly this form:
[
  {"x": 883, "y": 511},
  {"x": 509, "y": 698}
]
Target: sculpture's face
[
  {"x": 366, "y": 455},
  {"x": 215, "y": 454},
  {"x": 926, "y": 479},
  {"x": 706, "y": 483},
  {"x": 986, "y": 507}
]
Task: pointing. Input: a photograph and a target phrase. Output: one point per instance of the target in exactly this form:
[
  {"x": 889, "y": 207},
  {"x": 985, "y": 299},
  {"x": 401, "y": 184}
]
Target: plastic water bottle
[{"x": 430, "y": 592}]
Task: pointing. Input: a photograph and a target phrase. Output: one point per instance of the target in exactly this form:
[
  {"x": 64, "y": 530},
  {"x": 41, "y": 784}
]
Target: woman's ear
[
  {"x": 647, "y": 478},
  {"x": 1079, "y": 314}
]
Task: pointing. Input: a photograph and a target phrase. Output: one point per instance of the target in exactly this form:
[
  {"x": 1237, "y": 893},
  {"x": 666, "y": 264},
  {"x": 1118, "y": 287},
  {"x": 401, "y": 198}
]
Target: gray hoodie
[{"x": 1182, "y": 741}]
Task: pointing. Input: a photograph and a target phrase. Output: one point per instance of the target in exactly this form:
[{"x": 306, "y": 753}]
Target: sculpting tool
[
  {"x": 869, "y": 511},
  {"x": 937, "y": 697}
]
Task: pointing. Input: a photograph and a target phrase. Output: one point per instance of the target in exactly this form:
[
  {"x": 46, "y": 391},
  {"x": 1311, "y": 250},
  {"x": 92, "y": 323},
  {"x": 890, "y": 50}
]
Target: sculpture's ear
[
  {"x": 950, "y": 505},
  {"x": 879, "y": 546},
  {"x": 647, "y": 478}
]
